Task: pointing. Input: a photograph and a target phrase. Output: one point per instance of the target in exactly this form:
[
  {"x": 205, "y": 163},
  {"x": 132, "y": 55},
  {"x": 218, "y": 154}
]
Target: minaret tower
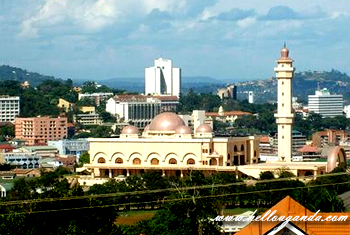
[{"x": 284, "y": 117}]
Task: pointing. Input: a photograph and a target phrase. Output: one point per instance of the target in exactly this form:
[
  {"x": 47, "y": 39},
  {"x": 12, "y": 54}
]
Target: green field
[{"x": 132, "y": 217}]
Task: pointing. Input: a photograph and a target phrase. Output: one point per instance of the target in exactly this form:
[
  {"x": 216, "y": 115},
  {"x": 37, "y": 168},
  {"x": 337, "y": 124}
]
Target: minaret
[{"x": 284, "y": 117}]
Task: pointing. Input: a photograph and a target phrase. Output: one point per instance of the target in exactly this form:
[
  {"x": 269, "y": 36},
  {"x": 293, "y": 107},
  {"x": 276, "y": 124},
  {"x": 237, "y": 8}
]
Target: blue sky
[{"x": 101, "y": 39}]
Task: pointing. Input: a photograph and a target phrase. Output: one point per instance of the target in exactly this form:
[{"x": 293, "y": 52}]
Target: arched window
[
  {"x": 190, "y": 161},
  {"x": 119, "y": 161},
  {"x": 101, "y": 160},
  {"x": 242, "y": 147},
  {"x": 136, "y": 161},
  {"x": 235, "y": 148},
  {"x": 154, "y": 161},
  {"x": 213, "y": 162},
  {"x": 173, "y": 161}
]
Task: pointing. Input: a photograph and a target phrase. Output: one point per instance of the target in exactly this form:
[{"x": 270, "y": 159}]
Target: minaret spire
[{"x": 284, "y": 116}]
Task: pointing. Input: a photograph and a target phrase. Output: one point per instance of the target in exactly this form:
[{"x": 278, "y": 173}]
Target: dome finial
[{"x": 284, "y": 52}]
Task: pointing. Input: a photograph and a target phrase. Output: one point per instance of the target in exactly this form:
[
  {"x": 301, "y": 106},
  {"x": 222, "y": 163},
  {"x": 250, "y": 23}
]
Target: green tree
[
  {"x": 84, "y": 158},
  {"x": 266, "y": 175}
]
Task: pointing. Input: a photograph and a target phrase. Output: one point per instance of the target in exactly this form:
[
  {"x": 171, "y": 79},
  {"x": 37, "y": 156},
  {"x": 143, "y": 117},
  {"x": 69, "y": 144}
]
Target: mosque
[{"x": 167, "y": 144}]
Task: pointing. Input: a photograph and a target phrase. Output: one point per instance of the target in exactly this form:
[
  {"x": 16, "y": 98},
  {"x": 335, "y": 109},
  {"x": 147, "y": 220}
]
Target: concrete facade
[
  {"x": 163, "y": 78},
  {"x": 70, "y": 147},
  {"x": 9, "y": 108},
  {"x": 137, "y": 109},
  {"x": 325, "y": 103}
]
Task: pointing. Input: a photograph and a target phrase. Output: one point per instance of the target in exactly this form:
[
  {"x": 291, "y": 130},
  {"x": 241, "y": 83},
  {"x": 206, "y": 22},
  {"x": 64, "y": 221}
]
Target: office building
[
  {"x": 326, "y": 104},
  {"x": 168, "y": 103},
  {"x": 38, "y": 130},
  {"x": 136, "y": 109},
  {"x": 88, "y": 119},
  {"x": 163, "y": 78},
  {"x": 70, "y": 147},
  {"x": 9, "y": 108}
]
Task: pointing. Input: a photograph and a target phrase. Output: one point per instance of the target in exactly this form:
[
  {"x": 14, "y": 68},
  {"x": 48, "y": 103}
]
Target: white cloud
[
  {"x": 246, "y": 22},
  {"x": 91, "y": 16}
]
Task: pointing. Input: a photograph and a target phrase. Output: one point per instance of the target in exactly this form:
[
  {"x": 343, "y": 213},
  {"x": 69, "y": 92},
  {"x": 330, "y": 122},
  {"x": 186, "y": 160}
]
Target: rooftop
[{"x": 289, "y": 207}]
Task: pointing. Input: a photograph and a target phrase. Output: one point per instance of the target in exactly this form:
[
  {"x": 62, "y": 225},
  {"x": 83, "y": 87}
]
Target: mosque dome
[
  {"x": 146, "y": 128},
  {"x": 130, "y": 130},
  {"x": 166, "y": 121},
  {"x": 204, "y": 128},
  {"x": 183, "y": 130}
]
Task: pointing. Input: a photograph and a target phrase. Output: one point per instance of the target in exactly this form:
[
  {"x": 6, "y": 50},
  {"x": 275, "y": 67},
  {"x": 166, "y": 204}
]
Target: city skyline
[{"x": 105, "y": 39}]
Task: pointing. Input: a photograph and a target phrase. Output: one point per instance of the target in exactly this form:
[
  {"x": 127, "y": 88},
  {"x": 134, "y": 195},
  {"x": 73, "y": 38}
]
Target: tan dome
[
  {"x": 146, "y": 128},
  {"x": 183, "y": 130},
  {"x": 130, "y": 130},
  {"x": 166, "y": 122},
  {"x": 204, "y": 128}
]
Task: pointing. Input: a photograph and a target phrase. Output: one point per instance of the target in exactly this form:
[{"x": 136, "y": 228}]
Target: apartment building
[
  {"x": 38, "y": 130},
  {"x": 9, "y": 108}
]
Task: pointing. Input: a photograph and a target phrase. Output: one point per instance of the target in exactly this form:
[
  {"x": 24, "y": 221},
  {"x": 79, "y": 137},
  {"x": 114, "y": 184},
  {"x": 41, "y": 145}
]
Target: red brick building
[{"x": 38, "y": 130}]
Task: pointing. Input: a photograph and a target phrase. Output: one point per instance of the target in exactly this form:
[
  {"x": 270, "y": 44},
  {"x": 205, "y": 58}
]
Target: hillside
[
  {"x": 199, "y": 83},
  {"x": 21, "y": 75},
  {"x": 304, "y": 84}
]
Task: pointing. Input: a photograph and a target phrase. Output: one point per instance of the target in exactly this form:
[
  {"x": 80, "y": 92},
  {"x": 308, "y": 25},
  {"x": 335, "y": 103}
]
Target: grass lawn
[{"x": 132, "y": 217}]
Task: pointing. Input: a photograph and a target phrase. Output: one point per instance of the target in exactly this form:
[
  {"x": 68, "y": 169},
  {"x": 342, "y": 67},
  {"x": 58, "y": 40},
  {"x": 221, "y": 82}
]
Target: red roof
[
  {"x": 70, "y": 125},
  {"x": 308, "y": 149},
  {"x": 265, "y": 139},
  {"x": 228, "y": 113},
  {"x": 166, "y": 97},
  {"x": 6, "y": 146},
  {"x": 289, "y": 207}
]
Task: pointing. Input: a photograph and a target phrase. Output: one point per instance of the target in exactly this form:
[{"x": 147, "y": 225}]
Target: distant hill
[
  {"x": 304, "y": 84},
  {"x": 137, "y": 84},
  {"x": 21, "y": 75}
]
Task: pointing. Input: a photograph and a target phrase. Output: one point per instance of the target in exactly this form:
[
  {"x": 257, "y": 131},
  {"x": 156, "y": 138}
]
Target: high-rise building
[
  {"x": 163, "y": 78},
  {"x": 251, "y": 97},
  {"x": 38, "y": 130},
  {"x": 326, "y": 104},
  {"x": 284, "y": 117},
  {"x": 9, "y": 108}
]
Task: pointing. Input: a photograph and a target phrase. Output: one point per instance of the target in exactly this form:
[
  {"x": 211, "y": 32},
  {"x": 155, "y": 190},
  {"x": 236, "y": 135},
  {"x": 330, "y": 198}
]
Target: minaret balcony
[{"x": 284, "y": 69}]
